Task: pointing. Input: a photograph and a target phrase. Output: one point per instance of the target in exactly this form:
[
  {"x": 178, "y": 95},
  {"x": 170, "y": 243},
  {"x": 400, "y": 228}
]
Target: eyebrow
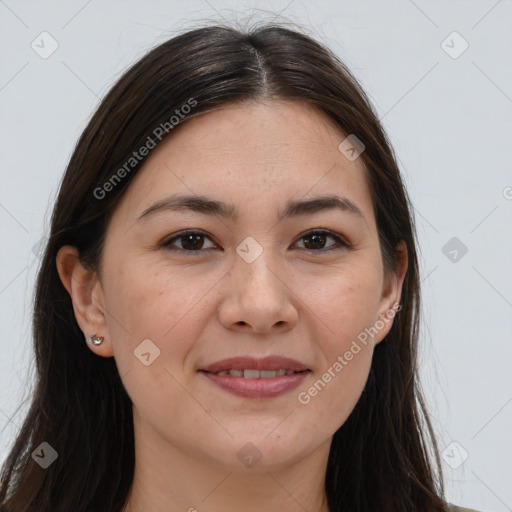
[{"x": 207, "y": 206}]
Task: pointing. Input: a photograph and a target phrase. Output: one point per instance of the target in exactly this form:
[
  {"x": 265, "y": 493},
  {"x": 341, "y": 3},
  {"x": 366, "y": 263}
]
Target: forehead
[{"x": 254, "y": 155}]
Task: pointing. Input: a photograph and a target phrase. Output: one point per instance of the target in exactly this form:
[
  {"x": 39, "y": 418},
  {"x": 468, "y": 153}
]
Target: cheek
[
  {"x": 345, "y": 300},
  {"x": 153, "y": 304},
  {"x": 170, "y": 313},
  {"x": 347, "y": 305},
  {"x": 338, "y": 383}
]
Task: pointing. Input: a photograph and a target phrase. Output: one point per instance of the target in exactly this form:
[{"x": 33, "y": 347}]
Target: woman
[{"x": 227, "y": 310}]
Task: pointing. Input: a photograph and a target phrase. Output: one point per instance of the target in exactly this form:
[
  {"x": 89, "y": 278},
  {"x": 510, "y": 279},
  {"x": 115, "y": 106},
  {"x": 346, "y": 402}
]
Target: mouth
[
  {"x": 251, "y": 367},
  {"x": 257, "y": 377},
  {"x": 256, "y": 384},
  {"x": 248, "y": 373}
]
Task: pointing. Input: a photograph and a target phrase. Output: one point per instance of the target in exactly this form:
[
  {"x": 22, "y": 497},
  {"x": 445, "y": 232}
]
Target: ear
[
  {"x": 391, "y": 294},
  {"x": 87, "y": 297}
]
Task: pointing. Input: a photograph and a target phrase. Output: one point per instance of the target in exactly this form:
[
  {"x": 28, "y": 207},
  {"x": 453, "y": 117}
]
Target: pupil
[
  {"x": 189, "y": 238},
  {"x": 320, "y": 237}
]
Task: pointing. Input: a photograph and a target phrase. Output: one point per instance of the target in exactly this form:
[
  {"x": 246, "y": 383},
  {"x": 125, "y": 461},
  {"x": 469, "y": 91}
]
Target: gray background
[{"x": 448, "y": 115}]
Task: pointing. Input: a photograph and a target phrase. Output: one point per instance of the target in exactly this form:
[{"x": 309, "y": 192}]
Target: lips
[
  {"x": 249, "y": 365},
  {"x": 248, "y": 373},
  {"x": 259, "y": 388}
]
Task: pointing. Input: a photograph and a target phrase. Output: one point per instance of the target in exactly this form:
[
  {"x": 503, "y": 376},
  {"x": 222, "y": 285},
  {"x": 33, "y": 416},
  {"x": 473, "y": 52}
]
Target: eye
[
  {"x": 192, "y": 242},
  {"x": 317, "y": 238}
]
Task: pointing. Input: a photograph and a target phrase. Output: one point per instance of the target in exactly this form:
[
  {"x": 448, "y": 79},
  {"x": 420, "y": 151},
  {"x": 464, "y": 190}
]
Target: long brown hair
[{"x": 382, "y": 458}]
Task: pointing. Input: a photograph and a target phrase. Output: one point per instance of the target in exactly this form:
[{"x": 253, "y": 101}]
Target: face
[{"x": 257, "y": 283}]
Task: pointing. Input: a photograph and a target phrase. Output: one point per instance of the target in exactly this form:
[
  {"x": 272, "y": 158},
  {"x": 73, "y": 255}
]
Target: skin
[{"x": 199, "y": 309}]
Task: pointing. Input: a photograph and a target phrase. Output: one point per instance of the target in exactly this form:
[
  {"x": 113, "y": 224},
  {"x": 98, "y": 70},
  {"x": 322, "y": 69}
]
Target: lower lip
[{"x": 257, "y": 388}]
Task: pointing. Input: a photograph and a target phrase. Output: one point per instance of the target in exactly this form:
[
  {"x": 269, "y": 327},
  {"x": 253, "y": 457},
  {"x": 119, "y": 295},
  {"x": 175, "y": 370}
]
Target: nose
[{"x": 259, "y": 296}]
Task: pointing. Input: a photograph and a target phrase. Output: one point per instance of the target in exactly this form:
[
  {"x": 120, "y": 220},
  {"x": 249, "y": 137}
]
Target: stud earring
[{"x": 96, "y": 340}]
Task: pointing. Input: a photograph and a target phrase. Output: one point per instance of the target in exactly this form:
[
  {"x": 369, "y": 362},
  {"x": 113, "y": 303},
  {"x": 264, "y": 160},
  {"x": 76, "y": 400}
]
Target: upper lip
[{"x": 253, "y": 363}]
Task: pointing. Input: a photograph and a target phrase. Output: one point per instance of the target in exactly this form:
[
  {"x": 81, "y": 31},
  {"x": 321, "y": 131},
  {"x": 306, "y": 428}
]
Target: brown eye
[
  {"x": 315, "y": 241},
  {"x": 193, "y": 242},
  {"x": 190, "y": 241}
]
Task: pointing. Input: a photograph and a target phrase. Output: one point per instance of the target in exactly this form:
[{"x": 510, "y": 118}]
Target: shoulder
[{"x": 454, "y": 508}]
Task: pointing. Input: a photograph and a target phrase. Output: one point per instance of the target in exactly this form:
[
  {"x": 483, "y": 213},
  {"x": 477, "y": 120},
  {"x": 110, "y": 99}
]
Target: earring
[{"x": 96, "y": 340}]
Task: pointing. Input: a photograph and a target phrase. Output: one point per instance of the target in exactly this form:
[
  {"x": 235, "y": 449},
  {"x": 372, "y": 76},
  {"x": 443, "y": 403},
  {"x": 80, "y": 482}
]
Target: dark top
[{"x": 454, "y": 508}]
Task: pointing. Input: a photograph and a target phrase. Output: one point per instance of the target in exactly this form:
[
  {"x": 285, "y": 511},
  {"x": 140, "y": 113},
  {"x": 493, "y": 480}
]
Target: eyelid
[{"x": 342, "y": 243}]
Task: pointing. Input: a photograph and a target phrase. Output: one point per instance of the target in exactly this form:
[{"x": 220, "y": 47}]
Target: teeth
[{"x": 256, "y": 374}]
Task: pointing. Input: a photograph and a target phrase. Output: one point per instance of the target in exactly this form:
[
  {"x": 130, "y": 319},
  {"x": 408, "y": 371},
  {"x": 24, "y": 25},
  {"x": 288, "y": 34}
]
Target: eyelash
[{"x": 342, "y": 244}]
